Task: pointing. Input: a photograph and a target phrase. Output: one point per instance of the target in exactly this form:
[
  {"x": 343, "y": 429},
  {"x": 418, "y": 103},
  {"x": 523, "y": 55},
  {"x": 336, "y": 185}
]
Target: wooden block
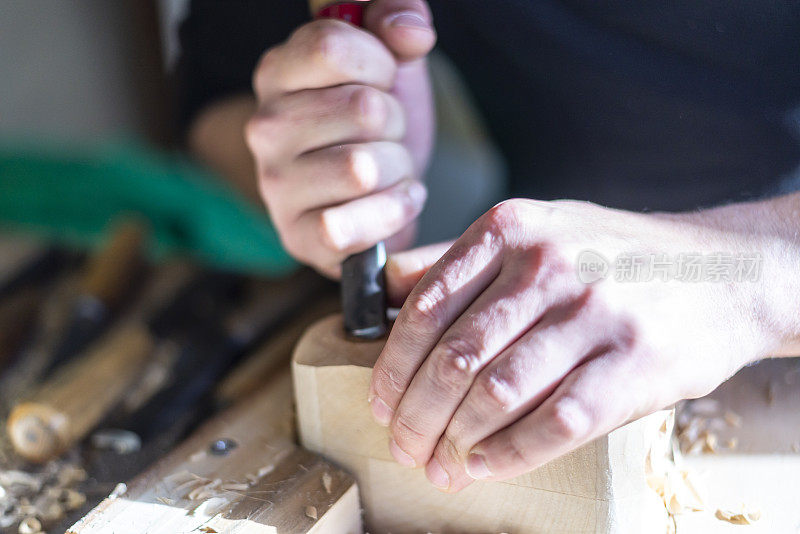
[
  {"x": 600, "y": 487},
  {"x": 265, "y": 483}
]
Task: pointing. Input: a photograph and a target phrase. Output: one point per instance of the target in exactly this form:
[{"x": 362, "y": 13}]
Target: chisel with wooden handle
[
  {"x": 66, "y": 407},
  {"x": 363, "y": 281}
]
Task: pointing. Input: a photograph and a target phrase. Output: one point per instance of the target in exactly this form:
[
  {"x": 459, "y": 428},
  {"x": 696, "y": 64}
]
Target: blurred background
[{"x": 94, "y": 79}]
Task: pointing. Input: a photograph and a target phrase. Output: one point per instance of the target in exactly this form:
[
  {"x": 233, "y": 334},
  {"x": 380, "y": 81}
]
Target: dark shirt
[{"x": 637, "y": 105}]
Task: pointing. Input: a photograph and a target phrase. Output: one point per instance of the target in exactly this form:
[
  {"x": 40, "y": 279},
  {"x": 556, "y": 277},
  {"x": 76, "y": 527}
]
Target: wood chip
[
  {"x": 30, "y": 525},
  {"x": 311, "y": 511},
  {"x": 710, "y": 442},
  {"x": 743, "y": 517},
  {"x": 327, "y": 482},
  {"x": 733, "y": 419},
  {"x": 208, "y": 530}
]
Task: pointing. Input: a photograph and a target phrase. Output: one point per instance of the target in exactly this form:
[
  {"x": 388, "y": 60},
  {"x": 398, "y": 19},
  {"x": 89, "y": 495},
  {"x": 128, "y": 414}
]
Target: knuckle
[
  {"x": 329, "y": 231},
  {"x": 517, "y": 453},
  {"x": 450, "y": 447},
  {"x": 326, "y": 45},
  {"x": 263, "y": 75},
  {"x": 360, "y": 170},
  {"x": 501, "y": 392},
  {"x": 453, "y": 364},
  {"x": 405, "y": 429},
  {"x": 260, "y": 132},
  {"x": 501, "y": 220},
  {"x": 569, "y": 420},
  {"x": 369, "y": 110},
  {"x": 425, "y": 310},
  {"x": 386, "y": 381}
]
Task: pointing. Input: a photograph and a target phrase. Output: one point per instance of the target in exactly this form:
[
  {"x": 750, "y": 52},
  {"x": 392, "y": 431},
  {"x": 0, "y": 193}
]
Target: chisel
[{"x": 363, "y": 289}]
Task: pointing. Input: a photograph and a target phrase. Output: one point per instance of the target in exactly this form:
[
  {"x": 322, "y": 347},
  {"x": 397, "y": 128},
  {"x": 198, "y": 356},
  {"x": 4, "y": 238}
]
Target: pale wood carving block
[
  {"x": 600, "y": 487},
  {"x": 265, "y": 484}
]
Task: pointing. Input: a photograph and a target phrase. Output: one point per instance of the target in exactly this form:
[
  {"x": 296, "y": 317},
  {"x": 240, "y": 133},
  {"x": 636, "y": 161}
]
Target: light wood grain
[
  {"x": 600, "y": 487},
  {"x": 273, "y": 485}
]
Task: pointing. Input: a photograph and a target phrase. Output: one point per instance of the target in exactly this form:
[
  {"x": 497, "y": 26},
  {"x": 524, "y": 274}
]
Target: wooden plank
[
  {"x": 263, "y": 484},
  {"x": 600, "y": 487}
]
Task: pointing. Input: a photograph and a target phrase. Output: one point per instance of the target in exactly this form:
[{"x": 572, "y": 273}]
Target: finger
[
  {"x": 311, "y": 120},
  {"x": 324, "y": 53},
  {"x": 513, "y": 302},
  {"x": 515, "y": 383},
  {"x": 442, "y": 294},
  {"x": 405, "y": 269},
  {"x": 342, "y": 173},
  {"x": 593, "y": 400},
  {"x": 357, "y": 225},
  {"x": 405, "y": 26}
]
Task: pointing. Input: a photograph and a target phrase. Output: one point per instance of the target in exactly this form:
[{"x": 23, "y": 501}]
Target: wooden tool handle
[
  {"x": 110, "y": 272},
  {"x": 67, "y": 407}
]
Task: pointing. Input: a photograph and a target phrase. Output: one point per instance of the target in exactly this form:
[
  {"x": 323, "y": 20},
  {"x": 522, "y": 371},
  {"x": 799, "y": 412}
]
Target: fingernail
[
  {"x": 402, "y": 457},
  {"x": 408, "y": 19},
  {"x": 437, "y": 475},
  {"x": 417, "y": 193},
  {"x": 381, "y": 411},
  {"x": 476, "y": 467}
]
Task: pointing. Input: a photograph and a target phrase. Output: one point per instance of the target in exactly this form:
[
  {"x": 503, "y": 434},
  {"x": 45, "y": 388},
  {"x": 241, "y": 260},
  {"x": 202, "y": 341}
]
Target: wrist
[{"x": 771, "y": 231}]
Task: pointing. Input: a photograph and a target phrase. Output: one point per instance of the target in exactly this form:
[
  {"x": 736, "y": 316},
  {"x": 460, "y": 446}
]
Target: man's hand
[
  {"x": 344, "y": 130},
  {"x": 502, "y": 359}
]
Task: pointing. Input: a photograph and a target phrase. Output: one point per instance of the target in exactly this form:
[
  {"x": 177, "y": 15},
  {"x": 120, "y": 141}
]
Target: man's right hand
[{"x": 343, "y": 132}]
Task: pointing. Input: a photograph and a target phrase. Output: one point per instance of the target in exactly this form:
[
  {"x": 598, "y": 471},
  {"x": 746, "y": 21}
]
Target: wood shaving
[
  {"x": 740, "y": 517},
  {"x": 311, "y": 511},
  {"x": 208, "y": 530},
  {"x": 165, "y": 500},
  {"x": 699, "y": 423},
  {"x": 235, "y": 486},
  {"x": 327, "y": 482},
  {"x": 733, "y": 419},
  {"x": 264, "y": 471},
  {"x": 42, "y": 496},
  {"x": 30, "y": 525}
]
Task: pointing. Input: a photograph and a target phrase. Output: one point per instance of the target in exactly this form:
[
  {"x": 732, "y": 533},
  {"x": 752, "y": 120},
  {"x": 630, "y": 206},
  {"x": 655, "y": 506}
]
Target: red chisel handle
[{"x": 363, "y": 284}]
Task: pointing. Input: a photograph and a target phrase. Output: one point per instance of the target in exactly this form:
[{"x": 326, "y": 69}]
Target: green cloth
[{"x": 73, "y": 195}]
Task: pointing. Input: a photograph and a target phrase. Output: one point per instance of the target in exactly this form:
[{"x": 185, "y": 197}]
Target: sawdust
[{"x": 40, "y": 497}]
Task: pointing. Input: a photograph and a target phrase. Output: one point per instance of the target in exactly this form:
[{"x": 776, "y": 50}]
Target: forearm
[
  {"x": 216, "y": 137},
  {"x": 770, "y": 228}
]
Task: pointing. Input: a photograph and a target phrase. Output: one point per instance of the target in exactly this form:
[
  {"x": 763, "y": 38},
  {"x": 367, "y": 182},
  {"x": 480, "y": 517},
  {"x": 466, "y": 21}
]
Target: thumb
[
  {"x": 404, "y": 26},
  {"x": 405, "y": 269}
]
